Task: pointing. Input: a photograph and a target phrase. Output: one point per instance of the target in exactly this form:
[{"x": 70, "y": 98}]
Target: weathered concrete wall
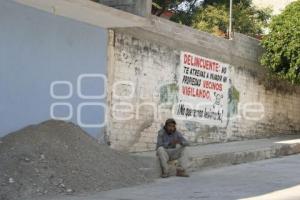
[{"x": 144, "y": 66}]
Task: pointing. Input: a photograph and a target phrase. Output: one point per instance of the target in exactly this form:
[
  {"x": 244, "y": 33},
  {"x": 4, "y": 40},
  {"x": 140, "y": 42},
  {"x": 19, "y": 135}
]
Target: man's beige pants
[{"x": 178, "y": 153}]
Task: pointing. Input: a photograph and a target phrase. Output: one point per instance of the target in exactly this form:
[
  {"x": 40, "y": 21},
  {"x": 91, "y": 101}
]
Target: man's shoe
[
  {"x": 164, "y": 175},
  {"x": 182, "y": 173}
]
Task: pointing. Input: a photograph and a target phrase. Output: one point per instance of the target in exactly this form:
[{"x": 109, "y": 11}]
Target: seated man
[{"x": 171, "y": 146}]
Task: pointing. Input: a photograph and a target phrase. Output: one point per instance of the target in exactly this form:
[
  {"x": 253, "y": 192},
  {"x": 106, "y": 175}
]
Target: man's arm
[
  {"x": 182, "y": 140},
  {"x": 160, "y": 141}
]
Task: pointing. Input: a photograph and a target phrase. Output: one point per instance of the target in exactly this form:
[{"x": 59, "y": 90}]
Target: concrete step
[{"x": 224, "y": 154}]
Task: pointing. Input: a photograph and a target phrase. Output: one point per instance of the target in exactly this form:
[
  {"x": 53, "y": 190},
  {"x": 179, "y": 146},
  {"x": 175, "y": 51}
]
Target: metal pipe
[{"x": 230, "y": 21}]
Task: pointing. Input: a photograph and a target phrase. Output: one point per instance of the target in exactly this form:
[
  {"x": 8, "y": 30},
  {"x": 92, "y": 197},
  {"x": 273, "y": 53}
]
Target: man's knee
[
  {"x": 185, "y": 151},
  {"x": 180, "y": 149},
  {"x": 161, "y": 150}
]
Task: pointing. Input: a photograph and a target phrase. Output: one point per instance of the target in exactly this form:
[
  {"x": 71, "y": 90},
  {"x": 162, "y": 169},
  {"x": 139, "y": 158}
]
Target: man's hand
[{"x": 174, "y": 142}]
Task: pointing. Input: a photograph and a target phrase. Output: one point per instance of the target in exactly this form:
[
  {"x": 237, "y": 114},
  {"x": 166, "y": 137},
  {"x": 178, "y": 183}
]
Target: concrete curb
[{"x": 234, "y": 158}]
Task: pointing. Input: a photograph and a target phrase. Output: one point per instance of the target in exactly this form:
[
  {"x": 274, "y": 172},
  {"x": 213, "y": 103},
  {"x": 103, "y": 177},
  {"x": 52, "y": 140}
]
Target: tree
[
  {"x": 213, "y": 15},
  {"x": 213, "y": 19},
  {"x": 181, "y": 15},
  {"x": 160, "y": 6},
  {"x": 246, "y": 3},
  {"x": 282, "y": 44}
]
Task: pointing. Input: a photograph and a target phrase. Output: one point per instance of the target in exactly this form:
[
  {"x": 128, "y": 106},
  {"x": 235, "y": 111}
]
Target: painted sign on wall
[{"x": 203, "y": 90}]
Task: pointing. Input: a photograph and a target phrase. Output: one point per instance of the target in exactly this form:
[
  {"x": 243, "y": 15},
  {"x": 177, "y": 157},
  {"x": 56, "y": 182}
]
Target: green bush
[{"x": 282, "y": 44}]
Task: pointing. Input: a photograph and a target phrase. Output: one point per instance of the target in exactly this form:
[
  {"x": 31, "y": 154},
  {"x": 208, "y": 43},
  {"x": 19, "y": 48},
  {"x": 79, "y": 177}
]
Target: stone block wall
[{"x": 144, "y": 69}]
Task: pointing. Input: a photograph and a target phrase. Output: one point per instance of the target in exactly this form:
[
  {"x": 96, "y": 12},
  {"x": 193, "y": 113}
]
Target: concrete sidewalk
[{"x": 231, "y": 153}]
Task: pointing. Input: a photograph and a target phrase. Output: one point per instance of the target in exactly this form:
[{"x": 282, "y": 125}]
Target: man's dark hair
[{"x": 169, "y": 121}]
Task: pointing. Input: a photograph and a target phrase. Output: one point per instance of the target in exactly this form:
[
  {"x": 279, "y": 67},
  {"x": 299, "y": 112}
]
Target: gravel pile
[{"x": 55, "y": 157}]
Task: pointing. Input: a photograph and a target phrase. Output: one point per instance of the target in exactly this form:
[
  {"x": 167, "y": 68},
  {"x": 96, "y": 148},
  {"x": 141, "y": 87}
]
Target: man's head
[{"x": 170, "y": 126}]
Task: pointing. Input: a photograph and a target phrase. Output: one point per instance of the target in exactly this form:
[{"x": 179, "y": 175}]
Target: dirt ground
[{"x": 58, "y": 158}]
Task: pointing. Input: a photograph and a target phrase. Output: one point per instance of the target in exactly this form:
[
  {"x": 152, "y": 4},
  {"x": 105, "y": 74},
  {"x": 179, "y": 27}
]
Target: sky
[{"x": 276, "y": 5}]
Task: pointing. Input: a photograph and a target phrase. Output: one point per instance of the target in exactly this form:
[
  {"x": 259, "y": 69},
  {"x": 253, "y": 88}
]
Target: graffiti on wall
[
  {"x": 233, "y": 100},
  {"x": 203, "y": 90},
  {"x": 168, "y": 93}
]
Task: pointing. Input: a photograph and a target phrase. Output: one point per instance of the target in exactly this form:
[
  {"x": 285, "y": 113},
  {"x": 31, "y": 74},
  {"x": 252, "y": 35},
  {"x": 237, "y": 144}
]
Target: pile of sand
[{"x": 56, "y": 157}]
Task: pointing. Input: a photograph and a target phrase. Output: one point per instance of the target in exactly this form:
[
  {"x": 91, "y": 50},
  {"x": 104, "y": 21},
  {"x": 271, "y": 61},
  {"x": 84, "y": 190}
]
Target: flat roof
[{"x": 88, "y": 12}]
